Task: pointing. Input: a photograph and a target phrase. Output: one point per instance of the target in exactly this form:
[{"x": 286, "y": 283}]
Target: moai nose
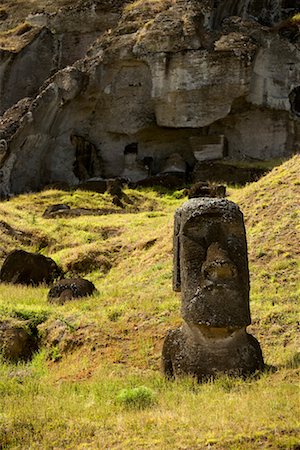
[{"x": 218, "y": 265}]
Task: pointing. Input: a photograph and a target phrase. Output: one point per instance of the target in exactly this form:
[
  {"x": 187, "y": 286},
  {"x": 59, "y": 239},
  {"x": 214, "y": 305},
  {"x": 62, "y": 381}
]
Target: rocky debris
[
  {"x": 114, "y": 187},
  {"x": 16, "y": 341},
  {"x": 52, "y": 209},
  {"x": 211, "y": 271},
  {"x": 69, "y": 289},
  {"x": 202, "y": 189},
  {"x": 21, "y": 267}
]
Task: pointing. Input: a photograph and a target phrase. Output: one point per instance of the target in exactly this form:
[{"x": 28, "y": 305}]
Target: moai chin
[{"x": 211, "y": 271}]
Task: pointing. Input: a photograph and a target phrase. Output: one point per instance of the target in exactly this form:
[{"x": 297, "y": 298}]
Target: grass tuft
[{"x": 136, "y": 398}]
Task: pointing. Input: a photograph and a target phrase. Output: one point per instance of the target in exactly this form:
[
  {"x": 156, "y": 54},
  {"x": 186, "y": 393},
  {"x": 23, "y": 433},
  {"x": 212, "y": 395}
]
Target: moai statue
[{"x": 211, "y": 271}]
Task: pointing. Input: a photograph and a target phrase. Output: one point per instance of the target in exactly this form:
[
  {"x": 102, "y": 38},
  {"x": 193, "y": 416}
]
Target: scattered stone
[
  {"x": 114, "y": 187},
  {"x": 69, "y": 289},
  {"x": 21, "y": 267},
  {"x": 93, "y": 184},
  {"x": 117, "y": 202},
  {"x": 16, "y": 342},
  {"x": 211, "y": 271},
  {"x": 54, "y": 209},
  {"x": 202, "y": 189}
]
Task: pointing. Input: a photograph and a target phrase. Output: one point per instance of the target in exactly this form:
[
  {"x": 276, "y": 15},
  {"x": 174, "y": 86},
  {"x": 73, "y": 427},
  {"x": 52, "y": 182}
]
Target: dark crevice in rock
[{"x": 294, "y": 98}]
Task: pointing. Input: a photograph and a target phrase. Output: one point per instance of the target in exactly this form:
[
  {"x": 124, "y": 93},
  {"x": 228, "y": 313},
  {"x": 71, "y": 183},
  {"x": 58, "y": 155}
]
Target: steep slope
[
  {"x": 271, "y": 207},
  {"x": 68, "y": 396}
]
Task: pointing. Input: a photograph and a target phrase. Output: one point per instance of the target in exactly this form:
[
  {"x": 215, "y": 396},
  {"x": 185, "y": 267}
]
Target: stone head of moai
[
  {"x": 211, "y": 271},
  {"x": 211, "y": 263}
]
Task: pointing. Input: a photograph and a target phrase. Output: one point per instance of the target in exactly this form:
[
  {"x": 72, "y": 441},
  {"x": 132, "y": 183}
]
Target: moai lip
[{"x": 211, "y": 271}]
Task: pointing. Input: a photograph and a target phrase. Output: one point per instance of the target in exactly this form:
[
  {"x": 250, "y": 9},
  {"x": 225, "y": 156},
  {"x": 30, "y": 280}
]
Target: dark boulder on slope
[
  {"x": 21, "y": 267},
  {"x": 69, "y": 289}
]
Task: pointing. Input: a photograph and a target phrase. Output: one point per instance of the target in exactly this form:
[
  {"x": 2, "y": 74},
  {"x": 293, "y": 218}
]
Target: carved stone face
[{"x": 210, "y": 263}]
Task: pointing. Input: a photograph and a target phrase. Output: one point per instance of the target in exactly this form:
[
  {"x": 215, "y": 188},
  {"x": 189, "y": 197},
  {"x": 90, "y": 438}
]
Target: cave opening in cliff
[
  {"x": 86, "y": 161},
  {"x": 131, "y": 149},
  {"x": 294, "y": 98}
]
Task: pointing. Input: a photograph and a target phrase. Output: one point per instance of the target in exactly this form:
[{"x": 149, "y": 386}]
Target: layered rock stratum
[{"x": 199, "y": 79}]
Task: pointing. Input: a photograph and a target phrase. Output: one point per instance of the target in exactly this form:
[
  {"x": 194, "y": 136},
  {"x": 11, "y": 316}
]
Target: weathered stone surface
[
  {"x": 211, "y": 271},
  {"x": 185, "y": 352},
  {"x": 16, "y": 343},
  {"x": 69, "y": 289},
  {"x": 21, "y": 267},
  {"x": 174, "y": 164},
  {"x": 114, "y": 187},
  {"x": 51, "y": 210},
  {"x": 93, "y": 184},
  {"x": 209, "y": 244},
  {"x": 53, "y": 42},
  {"x": 163, "y": 84},
  {"x": 22, "y": 73},
  {"x": 202, "y": 189}
]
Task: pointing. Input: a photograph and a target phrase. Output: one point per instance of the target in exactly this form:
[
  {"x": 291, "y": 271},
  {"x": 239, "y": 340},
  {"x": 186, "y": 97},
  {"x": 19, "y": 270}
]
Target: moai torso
[{"x": 211, "y": 271}]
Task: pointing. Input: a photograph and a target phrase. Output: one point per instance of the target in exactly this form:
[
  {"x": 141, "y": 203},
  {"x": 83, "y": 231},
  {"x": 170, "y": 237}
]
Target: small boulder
[
  {"x": 69, "y": 289},
  {"x": 202, "y": 189},
  {"x": 114, "y": 187},
  {"x": 21, "y": 267},
  {"x": 52, "y": 209},
  {"x": 16, "y": 342},
  {"x": 117, "y": 202},
  {"x": 94, "y": 185}
]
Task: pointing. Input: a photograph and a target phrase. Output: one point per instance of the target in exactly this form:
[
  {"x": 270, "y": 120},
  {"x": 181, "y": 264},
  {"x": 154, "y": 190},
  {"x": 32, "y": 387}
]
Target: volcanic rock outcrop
[
  {"x": 180, "y": 80},
  {"x": 211, "y": 271},
  {"x": 21, "y": 267}
]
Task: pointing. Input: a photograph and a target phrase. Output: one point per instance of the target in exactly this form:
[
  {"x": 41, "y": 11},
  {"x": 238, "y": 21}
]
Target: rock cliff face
[{"x": 187, "y": 77}]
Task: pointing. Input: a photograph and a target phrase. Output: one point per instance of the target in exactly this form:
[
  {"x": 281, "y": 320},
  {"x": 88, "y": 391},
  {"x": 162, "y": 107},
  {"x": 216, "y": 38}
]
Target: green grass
[{"x": 100, "y": 349}]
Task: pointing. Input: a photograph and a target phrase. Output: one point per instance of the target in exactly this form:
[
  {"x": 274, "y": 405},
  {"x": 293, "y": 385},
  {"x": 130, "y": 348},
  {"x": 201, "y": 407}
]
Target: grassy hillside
[{"x": 70, "y": 395}]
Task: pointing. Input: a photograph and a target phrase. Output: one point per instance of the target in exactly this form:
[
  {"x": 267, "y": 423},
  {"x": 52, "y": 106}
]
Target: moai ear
[{"x": 176, "y": 253}]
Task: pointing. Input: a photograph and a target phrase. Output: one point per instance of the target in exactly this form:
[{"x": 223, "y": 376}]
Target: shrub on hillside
[{"x": 137, "y": 398}]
